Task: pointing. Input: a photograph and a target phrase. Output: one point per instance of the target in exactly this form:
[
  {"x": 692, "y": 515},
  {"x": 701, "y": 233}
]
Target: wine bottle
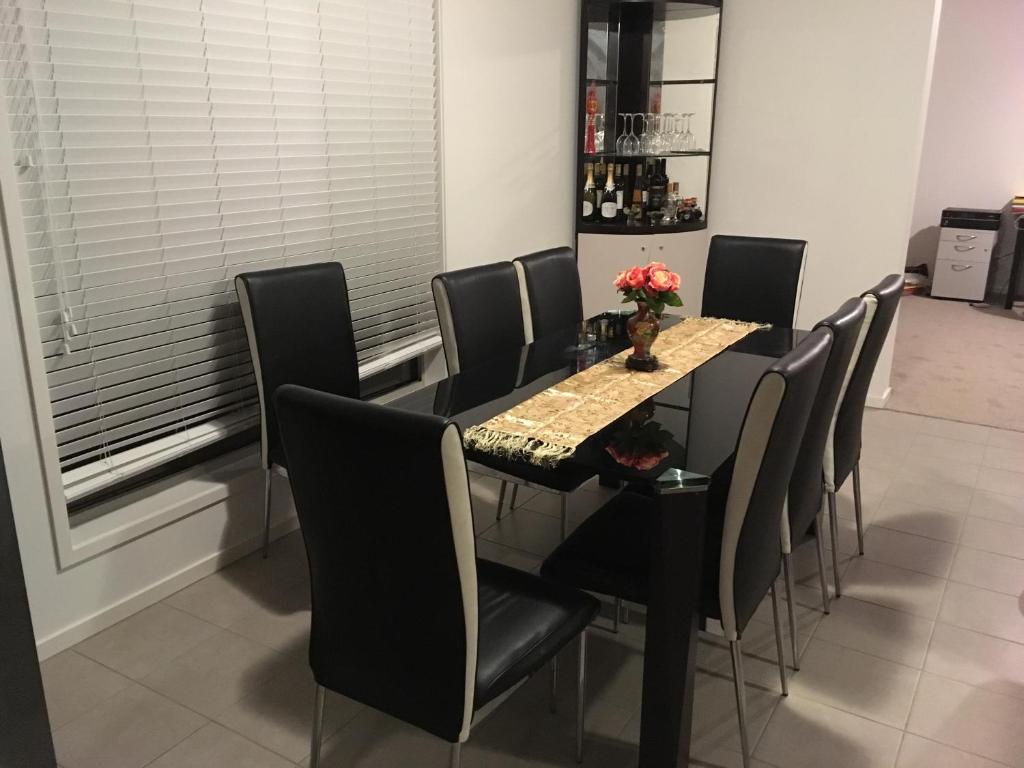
[
  {"x": 609, "y": 208},
  {"x": 636, "y": 210},
  {"x": 589, "y": 195},
  {"x": 641, "y": 184},
  {"x": 657, "y": 190},
  {"x": 620, "y": 194}
]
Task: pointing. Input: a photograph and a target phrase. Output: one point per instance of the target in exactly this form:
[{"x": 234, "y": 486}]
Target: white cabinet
[
  {"x": 962, "y": 263},
  {"x": 602, "y": 257}
]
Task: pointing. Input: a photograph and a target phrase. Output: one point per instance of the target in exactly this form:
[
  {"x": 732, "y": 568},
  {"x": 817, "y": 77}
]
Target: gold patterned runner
[{"x": 549, "y": 426}]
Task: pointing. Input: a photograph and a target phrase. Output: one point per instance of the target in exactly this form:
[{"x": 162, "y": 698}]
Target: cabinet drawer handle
[
  {"x": 643, "y": 247},
  {"x": 963, "y": 248},
  {"x": 961, "y": 267},
  {"x": 966, "y": 237}
]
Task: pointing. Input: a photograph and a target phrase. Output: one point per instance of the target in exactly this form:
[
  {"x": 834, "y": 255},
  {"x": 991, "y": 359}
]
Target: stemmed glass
[
  {"x": 688, "y": 138},
  {"x": 678, "y": 136},
  {"x": 620, "y": 143},
  {"x": 662, "y": 141},
  {"x": 646, "y": 137}
]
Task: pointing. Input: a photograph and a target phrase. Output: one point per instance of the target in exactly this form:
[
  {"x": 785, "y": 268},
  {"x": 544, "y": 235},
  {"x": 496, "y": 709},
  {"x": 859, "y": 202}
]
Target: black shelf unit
[{"x": 622, "y": 52}]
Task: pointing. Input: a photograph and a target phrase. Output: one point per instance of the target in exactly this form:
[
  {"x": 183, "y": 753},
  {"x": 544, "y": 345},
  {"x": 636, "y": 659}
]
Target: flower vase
[{"x": 642, "y": 328}]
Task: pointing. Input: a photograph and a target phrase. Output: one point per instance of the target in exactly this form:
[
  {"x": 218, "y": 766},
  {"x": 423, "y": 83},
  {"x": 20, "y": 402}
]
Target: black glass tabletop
[{"x": 691, "y": 426}]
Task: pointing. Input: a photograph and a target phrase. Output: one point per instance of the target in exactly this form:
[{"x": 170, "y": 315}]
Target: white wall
[
  {"x": 973, "y": 148},
  {"x": 818, "y": 135},
  {"x": 509, "y": 107}
]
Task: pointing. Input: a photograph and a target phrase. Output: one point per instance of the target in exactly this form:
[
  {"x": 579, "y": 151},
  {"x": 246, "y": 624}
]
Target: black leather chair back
[
  {"x": 299, "y": 326},
  {"x": 765, "y": 455},
  {"x": 806, "y": 489},
  {"x": 756, "y": 279},
  {"x": 882, "y": 302},
  {"x": 382, "y": 497},
  {"x": 480, "y": 313},
  {"x": 549, "y": 285}
]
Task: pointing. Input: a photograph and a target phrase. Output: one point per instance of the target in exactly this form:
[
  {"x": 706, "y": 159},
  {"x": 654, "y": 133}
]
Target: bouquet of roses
[{"x": 654, "y": 285}]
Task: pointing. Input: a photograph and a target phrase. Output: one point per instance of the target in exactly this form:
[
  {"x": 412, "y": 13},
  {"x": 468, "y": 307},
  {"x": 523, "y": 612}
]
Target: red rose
[
  {"x": 635, "y": 278},
  {"x": 675, "y": 280},
  {"x": 660, "y": 281},
  {"x": 655, "y": 266},
  {"x": 620, "y": 280}
]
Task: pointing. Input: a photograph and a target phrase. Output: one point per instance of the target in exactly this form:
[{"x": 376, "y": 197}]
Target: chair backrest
[
  {"x": 806, "y": 488},
  {"x": 757, "y": 279},
  {"x": 382, "y": 497},
  {"x": 765, "y": 454},
  {"x": 480, "y": 313},
  {"x": 843, "y": 448},
  {"x": 549, "y": 287},
  {"x": 299, "y": 327}
]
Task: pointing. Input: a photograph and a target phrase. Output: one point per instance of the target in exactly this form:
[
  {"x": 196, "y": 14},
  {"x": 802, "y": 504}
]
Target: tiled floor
[{"x": 920, "y": 664}]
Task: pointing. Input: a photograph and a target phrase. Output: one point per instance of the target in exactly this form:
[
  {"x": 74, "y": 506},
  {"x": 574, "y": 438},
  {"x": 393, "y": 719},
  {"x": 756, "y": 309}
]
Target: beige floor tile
[
  {"x": 993, "y": 536},
  {"x": 374, "y": 740},
  {"x": 530, "y": 531},
  {"x": 1002, "y": 481},
  {"x": 945, "y": 496},
  {"x": 987, "y": 570},
  {"x": 984, "y": 611},
  {"x": 146, "y": 641},
  {"x": 931, "y": 521},
  {"x": 916, "y": 553},
  {"x": 217, "y": 673},
  {"x": 979, "y": 660},
  {"x": 226, "y": 596},
  {"x": 581, "y": 504},
  {"x": 997, "y": 506},
  {"x": 1006, "y": 438},
  {"x": 855, "y": 682},
  {"x": 213, "y": 746},
  {"x": 956, "y": 430},
  {"x": 922, "y": 753},
  {"x": 805, "y": 734},
  {"x": 877, "y": 630},
  {"x": 893, "y": 587},
  {"x": 75, "y": 685},
  {"x": 286, "y": 631},
  {"x": 897, "y": 421},
  {"x": 970, "y": 719},
  {"x": 515, "y": 558},
  {"x": 928, "y": 469},
  {"x": 945, "y": 450},
  {"x": 285, "y": 563},
  {"x": 128, "y": 730},
  {"x": 278, "y": 715},
  {"x": 1003, "y": 458}
]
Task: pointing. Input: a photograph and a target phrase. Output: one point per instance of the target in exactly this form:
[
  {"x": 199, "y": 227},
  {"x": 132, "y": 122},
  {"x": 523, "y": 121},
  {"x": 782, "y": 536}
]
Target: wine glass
[
  {"x": 621, "y": 141},
  {"x": 688, "y": 138},
  {"x": 663, "y": 142},
  {"x": 678, "y": 136},
  {"x": 646, "y": 136},
  {"x": 632, "y": 144}
]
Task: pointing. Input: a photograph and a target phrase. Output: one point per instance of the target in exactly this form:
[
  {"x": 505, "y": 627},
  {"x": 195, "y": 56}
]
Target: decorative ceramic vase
[{"x": 642, "y": 328}]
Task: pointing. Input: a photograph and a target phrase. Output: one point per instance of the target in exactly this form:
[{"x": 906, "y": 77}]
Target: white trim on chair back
[
  {"x": 800, "y": 285},
  {"x": 460, "y": 509},
  {"x": 447, "y": 325},
  {"x": 250, "y": 334},
  {"x": 829, "y": 465},
  {"x": 524, "y": 298},
  {"x": 750, "y": 452}
]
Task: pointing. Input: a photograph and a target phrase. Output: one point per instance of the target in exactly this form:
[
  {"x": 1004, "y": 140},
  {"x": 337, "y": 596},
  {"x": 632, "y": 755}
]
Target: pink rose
[
  {"x": 675, "y": 280},
  {"x": 660, "y": 281},
  {"x": 635, "y": 278},
  {"x": 655, "y": 266},
  {"x": 620, "y": 280}
]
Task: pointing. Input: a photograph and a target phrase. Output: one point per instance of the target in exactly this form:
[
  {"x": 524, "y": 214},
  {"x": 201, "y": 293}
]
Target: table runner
[{"x": 548, "y": 427}]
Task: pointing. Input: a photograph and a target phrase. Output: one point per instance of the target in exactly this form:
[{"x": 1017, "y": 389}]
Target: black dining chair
[
  {"x": 608, "y": 553},
  {"x": 480, "y": 312},
  {"x": 549, "y": 288},
  {"x": 842, "y": 450},
  {"x": 805, "y": 502},
  {"x": 756, "y": 279},
  {"x": 299, "y": 327},
  {"x": 405, "y": 618}
]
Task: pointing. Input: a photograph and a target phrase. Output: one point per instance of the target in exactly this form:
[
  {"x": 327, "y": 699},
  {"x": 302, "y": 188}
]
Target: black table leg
[{"x": 670, "y": 647}]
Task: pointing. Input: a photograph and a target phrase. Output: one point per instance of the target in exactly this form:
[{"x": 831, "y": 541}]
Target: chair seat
[
  {"x": 276, "y": 454},
  {"x": 524, "y": 621},
  {"x": 564, "y": 478},
  {"x": 608, "y": 552}
]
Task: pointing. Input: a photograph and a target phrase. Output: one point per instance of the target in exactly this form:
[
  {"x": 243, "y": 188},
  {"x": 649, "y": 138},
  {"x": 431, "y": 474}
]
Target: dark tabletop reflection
[{"x": 692, "y": 425}]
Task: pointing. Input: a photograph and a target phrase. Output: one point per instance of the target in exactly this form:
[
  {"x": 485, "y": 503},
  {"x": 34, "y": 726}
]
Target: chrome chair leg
[
  {"x": 625, "y": 614},
  {"x": 515, "y": 492},
  {"x": 266, "y": 512},
  {"x": 791, "y": 605},
  {"x": 501, "y": 499},
  {"x": 618, "y": 612},
  {"x": 456, "y": 760},
  {"x": 741, "y": 698},
  {"x": 777, "y": 620},
  {"x": 833, "y": 524},
  {"x": 564, "y": 497},
  {"x": 554, "y": 684},
  {"x": 819, "y": 531},
  {"x": 318, "y": 726},
  {"x": 581, "y": 694},
  {"x": 858, "y": 510}
]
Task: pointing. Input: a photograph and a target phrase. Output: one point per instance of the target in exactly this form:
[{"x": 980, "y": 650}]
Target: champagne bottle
[
  {"x": 609, "y": 207},
  {"x": 589, "y": 195},
  {"x": 620, "y": 194}
]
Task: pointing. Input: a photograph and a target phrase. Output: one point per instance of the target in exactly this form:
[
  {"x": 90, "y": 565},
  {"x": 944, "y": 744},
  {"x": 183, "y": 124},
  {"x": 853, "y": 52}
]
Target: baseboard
[
  {"x": 879, "y": 401},
  {"x": 97, "y": 622}
]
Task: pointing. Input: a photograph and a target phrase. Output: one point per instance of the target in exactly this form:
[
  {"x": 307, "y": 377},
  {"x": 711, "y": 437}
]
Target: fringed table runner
[{"x": 548, "y": 427}]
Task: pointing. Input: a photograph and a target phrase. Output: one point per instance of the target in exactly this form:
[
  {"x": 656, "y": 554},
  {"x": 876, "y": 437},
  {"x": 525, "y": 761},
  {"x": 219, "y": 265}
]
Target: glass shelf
[
  {"x": 705, "y": 81},
  {"x": 596, "y": 228},
  {"x": 692, "y": 153}
]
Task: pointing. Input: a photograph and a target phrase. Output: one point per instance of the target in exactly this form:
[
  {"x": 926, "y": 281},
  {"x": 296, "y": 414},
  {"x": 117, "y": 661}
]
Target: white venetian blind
[{"x": 165, "y": 146}]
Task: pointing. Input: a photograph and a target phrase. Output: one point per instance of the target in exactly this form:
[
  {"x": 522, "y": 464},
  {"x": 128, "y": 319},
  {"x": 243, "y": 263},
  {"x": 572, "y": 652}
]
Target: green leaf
[{"x": 672, "y": 299}]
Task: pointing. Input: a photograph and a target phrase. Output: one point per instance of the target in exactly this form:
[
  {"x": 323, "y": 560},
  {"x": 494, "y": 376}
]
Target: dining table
[{"x": 697, "y": 420}]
